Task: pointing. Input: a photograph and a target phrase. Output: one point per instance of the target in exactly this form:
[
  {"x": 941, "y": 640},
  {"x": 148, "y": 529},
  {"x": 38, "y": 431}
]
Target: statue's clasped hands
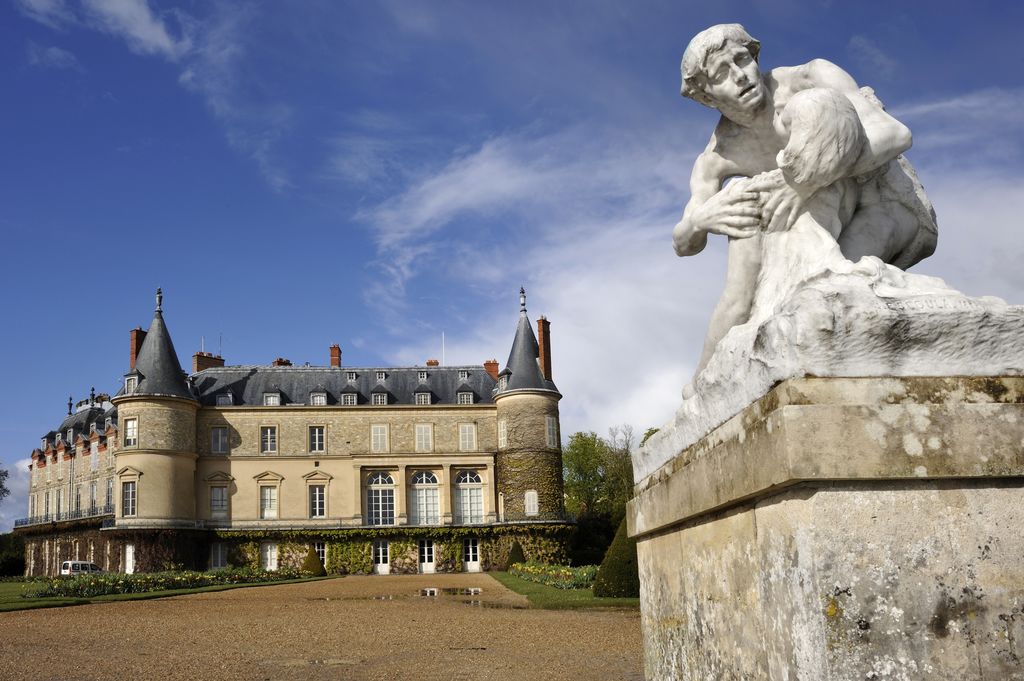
[{"x": 765, "y": 202}]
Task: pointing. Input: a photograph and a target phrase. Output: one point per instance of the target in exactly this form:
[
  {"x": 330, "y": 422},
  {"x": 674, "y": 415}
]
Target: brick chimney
[
  {"x": 433, "y": 363},
  {"x": 491, "y": 367},
  {"x": 281, "y": 362},
  {"x": 136, "y": 336},
  {"x": 205, "y": 360},
  {"x": 544, "y": 341},
  {"x": 335, "y": 355}
]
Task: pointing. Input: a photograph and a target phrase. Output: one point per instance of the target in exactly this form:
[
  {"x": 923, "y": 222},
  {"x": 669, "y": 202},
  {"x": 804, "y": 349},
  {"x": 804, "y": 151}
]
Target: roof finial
[
  {"x": 522, "y": 300},
  {"x": 92, "y": 395},
  {"x": 70, "y": 403},
  {"x": 159, "y": 300}
]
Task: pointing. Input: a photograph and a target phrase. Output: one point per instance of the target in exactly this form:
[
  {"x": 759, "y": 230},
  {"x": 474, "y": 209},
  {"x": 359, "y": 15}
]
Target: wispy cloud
[
  {"x": 53, "y": 13},
  {"x": 52, "y": 57},
  {"x": 142, "y": 30},
  {"x": 871, "y": 57}
]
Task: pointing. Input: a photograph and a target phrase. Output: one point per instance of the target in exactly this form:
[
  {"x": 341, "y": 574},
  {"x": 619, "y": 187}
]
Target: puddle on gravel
[{"x": 433, "y": 592}]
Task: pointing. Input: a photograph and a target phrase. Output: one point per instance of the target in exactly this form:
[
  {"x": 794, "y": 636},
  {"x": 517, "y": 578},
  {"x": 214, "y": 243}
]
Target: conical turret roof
[
  {"x": 157, "y": 364},
  {"x": 523, "y": 367}
]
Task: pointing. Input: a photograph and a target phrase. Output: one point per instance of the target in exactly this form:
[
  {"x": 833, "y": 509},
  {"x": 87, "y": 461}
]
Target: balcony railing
[{"x": 89, "y": 512}]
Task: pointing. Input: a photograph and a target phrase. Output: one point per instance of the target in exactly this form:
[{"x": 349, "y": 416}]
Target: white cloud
[
  {"x": 134, "y": 22},
  {"x": 871, "y": 57},
  {"x": 51, "y": 57},
  {"x": 53, "y": 13},
  {"x": 15, "y": 505}
]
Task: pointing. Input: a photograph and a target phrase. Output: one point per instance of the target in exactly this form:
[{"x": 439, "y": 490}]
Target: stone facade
[{"x": 841, "y": 529}]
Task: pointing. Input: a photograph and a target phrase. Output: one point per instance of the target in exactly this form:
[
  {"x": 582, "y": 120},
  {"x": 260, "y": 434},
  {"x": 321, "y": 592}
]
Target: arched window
[
  {"x": 380, "y": 499},
  {"x": 530, "y": 502},
  {"x": 423, "y": 506},
  {"x": 469, "y": 498}
]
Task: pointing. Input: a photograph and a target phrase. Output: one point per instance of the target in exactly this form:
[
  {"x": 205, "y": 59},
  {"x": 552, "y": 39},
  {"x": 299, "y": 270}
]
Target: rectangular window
[
  {"x": 92, "y": 496},
  {"x": 379, "y": 398},
  {"x": 219, "y": 440},
  {"x": 467, "y": 437},
  {"x": 349, "y": 399},
  {"x": 130, "y": 384},
  {"x": 60, "y": 466},
  {"x": 424, "y": 437},
  {"x": 318, "y": 399},
  {"x": 470, "y": 550},
  {"x": 421, "y": 375},
  {"x": 503, "y": 433},
  {"x": 268, "y": 502},
  {"x": 422, "y": 398},
  {"x": 465, "y": 398},
  {"x": 131, "y": 432},
  {"x": 317, "y": 501},
  {"x": 321, "y": 552},
  {"x": 218, "y": 555},
  {"x": 224, "y": 400},
  {"x": 380, "y": 552},
  {"x": 381, "y": 375},
  {"x": 268, "y": 556},
  {"x": 268, "y": 439},
  {"x": 271, "y": 399},
  {"x": 46, "y": 503},
  {"x": 426, "y": 551},
  {"x": 531, "y": 503},
  {"x": 379, "y": 437},
  {"x": 381, "y": 506},
  {"x": 128, "y": 498},
  {"x": 316, "y": 438},
  {"x": 60, "y": 501},
  {"x": 219, "y": 501},
  {"x": 552, "y": 432},
  {"x": 49, "y": 471},
  {"x": 78, "y": 499},
  {"x": 463, "y": 374},
  {"x": 470, "y": 505},
  {"x": 110, "y": 493},
  {"x": 350, "y": 376},
  {"x": 94, "y": 455},
  {"x": 424, "y": 506}
]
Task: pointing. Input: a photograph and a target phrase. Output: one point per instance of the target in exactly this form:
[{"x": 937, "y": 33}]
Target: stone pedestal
[{"x": 841, "y": 529}]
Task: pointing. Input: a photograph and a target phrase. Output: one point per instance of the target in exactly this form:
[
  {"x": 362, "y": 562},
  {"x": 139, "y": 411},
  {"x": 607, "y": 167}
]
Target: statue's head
[{"x": 719, "y": 68}]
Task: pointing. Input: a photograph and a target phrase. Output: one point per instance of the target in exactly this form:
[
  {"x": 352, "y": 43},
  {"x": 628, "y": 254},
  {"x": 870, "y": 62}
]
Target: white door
[
  {"x": 427, "y": 556},
  {"x": 471, "y": 554},
  {"x": 381, "y": 558},
  {"x": 129, "y": 558}
]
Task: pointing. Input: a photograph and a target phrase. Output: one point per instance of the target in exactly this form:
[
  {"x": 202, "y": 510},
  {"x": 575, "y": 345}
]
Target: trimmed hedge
[
  {"x": 558, "y": 576},
  {"x": 619, "y": 575},
  {"x": 101, "y": 584},
  {"x": 515, "y": 554},
  {"x": 311, "y": 564}
]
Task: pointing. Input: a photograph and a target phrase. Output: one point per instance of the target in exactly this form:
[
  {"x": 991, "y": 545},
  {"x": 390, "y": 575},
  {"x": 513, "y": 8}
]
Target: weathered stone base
[{"x": 842, "y": 529}]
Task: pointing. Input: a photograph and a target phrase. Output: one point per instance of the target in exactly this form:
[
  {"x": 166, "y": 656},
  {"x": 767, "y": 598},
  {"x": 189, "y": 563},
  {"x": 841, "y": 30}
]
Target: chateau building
[{"x": 378, "y": 469}]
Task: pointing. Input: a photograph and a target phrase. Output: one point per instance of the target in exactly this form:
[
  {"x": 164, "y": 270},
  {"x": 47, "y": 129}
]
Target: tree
[
  {"x": 3, "y": 484},
  {"x": 583, "y": 470}
]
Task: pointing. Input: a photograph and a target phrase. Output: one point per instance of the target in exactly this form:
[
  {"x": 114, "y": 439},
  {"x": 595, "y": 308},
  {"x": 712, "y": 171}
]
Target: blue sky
[{"x": 377, "y": 174}]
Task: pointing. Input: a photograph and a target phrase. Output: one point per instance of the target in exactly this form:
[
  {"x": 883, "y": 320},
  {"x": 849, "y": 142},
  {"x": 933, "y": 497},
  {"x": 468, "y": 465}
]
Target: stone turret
[
  {"x": 528, "y": 465},
  {"x": 157, "y": 448}
]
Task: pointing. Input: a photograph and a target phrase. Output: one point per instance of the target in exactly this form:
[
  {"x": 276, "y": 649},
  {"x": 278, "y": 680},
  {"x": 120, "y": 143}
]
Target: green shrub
[
  {"x": 101, "y": 584},
  {"x": 558, "y": 576},
  {"x": 619, "y": 576},
  {"x": 515, "y": 554},
  {"x": 311, "y": 564}
]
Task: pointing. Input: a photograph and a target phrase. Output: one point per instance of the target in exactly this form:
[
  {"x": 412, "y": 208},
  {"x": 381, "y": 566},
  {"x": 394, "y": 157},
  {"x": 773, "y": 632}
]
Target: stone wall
[
  {"x": 841, "y": 529},
  {"x": 45, "y": 552}
]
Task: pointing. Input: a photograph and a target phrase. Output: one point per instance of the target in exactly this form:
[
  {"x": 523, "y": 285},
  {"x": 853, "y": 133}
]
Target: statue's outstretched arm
[{"x": 732, "y": 211}]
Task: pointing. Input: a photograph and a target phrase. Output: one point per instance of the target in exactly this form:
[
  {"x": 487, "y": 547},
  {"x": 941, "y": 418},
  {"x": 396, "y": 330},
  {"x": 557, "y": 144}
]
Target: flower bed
[
  {"x": 101, "y": 584},
  {"x": 558, "y": 576}
]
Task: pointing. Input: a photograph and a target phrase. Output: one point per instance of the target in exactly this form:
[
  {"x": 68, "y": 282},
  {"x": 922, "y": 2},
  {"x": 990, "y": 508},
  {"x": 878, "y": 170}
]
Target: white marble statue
[{"x": 800, "y": 144}]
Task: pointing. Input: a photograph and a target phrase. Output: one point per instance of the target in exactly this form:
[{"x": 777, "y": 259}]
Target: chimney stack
[
  {"x": 281, "y": 362},
  {"x": 491, "y": 367},
  {"x": 544, "y": 341},
  {"x": 433, "y": 363},
  {"x": 335, "y": 355},
  {"x": 205, "y": 360},
  {"x": 136, "y": 336}
]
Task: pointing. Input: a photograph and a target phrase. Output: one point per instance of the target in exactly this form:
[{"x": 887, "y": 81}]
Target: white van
[{"x": 78, "y": 567}]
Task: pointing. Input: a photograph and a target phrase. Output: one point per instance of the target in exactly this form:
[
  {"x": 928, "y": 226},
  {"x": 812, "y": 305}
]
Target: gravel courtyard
[{"x": 352, "y": 628}]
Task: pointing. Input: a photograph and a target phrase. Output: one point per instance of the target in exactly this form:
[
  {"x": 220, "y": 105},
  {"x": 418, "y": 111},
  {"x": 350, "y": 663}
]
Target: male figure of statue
[{"x": 798, "y": 143}]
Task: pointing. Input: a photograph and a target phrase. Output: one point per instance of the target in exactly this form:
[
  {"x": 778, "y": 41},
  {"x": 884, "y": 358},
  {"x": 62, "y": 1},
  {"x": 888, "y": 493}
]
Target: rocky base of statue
[{"x": 817, "y": 314}]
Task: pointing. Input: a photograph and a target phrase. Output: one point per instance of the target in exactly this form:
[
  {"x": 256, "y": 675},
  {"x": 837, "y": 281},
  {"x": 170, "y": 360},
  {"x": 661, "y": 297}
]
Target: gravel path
[{"x": 354, "y": 628}]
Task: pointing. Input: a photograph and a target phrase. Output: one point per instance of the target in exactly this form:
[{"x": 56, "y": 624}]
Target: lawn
[
  {"x": 10, "y": 594},
  {"x": 550, "y": 598}
]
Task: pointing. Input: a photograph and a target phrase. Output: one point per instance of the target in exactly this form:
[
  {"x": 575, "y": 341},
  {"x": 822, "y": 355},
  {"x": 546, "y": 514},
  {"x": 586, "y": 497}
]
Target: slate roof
[
  {"x": 157, "y": 363},
  {"x": 81, "y": 421},
  {"x": 248, "y": 383},
  {"x": 523, "y": 366}
]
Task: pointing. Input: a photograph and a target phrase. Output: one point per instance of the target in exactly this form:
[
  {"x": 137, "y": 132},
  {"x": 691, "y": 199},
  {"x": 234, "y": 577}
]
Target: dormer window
[
  {"x": 225, "y": 399},
  {"x": 422, "y": 398},
  {"x": 379, "y": 399},
  {"x": 465, "y": 398},
  {"x": 463, "y": 374},
  {"x": 130, "y": 384},
  {"x": 107, "y": 422},
  {"x": 421, "y": 375},
  {"x": 92, "y": 427},
  {"x": 42, "y": 444},
  {"x": 381, "y": 375},
  {"x": 351, "y": 376},
  {"x": 318, "y": 399},
  {"x": 271, "y": 399},
  {"x": 503, "y": 383},
  {"x": 71, "y": 435}
]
